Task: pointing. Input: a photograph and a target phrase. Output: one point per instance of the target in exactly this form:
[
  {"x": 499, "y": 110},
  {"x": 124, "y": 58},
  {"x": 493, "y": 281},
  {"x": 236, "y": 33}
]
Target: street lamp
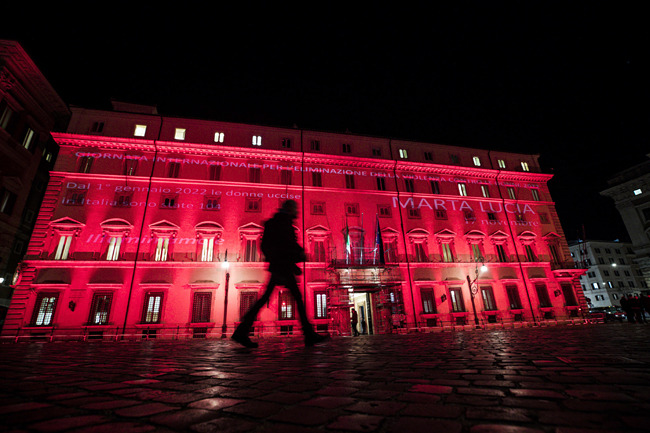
[
  {"x": 473, "y": 289},
  {"x": 225, "y": 266}
]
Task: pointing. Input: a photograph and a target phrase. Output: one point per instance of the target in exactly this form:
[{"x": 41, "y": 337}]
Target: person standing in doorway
[
  {"x": 282, "y": 251},
  {"x": 355, "y": 322}
]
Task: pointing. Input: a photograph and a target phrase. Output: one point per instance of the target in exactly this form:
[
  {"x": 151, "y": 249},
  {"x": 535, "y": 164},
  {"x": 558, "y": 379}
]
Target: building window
[
  {"x": 376, "y": 151},
  {"x": 214, "y": 172},
  {"x": 435, "y": 187},
  {"x": 569, "y": 295},
  {"x": 409, "y": 185},
  {"x": 543, "y": 218},
  {"x": 169, "y": 202},
  {"x": 491, "y": 216},
  {"x": 535, "y": 194},
  {"x": 477, "y": 254},
  {"x": 542, "y": 295},
  {"x": 201, "y": 307},
  {"x": 485, "y": 190},
  {"x": 113, "y": 251},
  {"x": 100, "y": 309},
  {"x": 320, "y": 305},
  {"x": 316, "y": 179},
  {"x": 75, "y": 197},
  {"x": 286, "y": 143},
  {"x": 257, "y": 140},
  {"x": 254, "y": 175},
  {"x": 384, "y": 210},
  {"x": 530, "y": 254},
  {"x": 447, "y": 253},
  {"x": 403, "y": 154},
  {"x": 246, "y": 302},
  {"x": 513, "y": 297},
  {"x": 501, "y": 253},
  {"x": 286, "y": 309},
  {"x": 555, "y": 255},
  {"x": 28, "y": 139},
  {"x": 511, "y": 193},
  {"x": 414, "y": 213},
  {"x": 440, "y": 214},
  {"x": 462, "y": 189},
  {"x": 179, "y": 134},
  {"x": 420, "y": 252},
  {"x": 253, "y": 204},
  {"x": 501, "y": 163},
  {"x": 152, "y": 308},
  {"x": 285, "y": 177},
  {"x": 173, "y": 169},
  {"x": 381, "y": 184},
  {"x": 349, "y": 181},
  {"x": 457, "y": 302},
  {"x": 488, "y": 299},
  {"x": 477, "y": 161},
  {"x": 524, "y": 166},
  {"x": 390, "y": 250},
  {"x": 162, "y": 249},
  {"x": 44, "y": 308},
  {"x": 63, "y": 247},
  {"x": 5, "y": 118},
  {"x": 346, "y": 148},
  {"x": 318, "y": 253},
  {"x": 140, "y": 130},
  {"x": 315, "y": 145},
  {"x": 97, "y": 127},
  {"x": 250, "y": 250},
  {"x": 212, "y": 203},
  {"x": 428, "y": 156},
  {"x": 85, "y": 164},
  {"x": 130, "y": 165},
  {"x": 7, "y": 201},
  {"x": 207, "y": 249},
  {"x": 318, "y": 208},
  {"x": 218, "y": 137},
  {"x": 454, "y": 159},
  {"x": 352, "y": 209},
  {"x": 428, "y": 300}
]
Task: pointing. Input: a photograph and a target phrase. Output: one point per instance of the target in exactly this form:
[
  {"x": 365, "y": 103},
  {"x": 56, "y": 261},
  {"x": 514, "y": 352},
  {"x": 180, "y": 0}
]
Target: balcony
[{"x": 359, "y": 257}]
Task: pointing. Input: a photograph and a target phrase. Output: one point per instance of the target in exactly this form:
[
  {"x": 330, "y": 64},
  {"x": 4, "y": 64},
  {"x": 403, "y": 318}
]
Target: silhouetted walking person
[
  {"x": 355, "y": 321},
  {"x": 627, "y": 308},
  {"x": 282, "y": 251}
]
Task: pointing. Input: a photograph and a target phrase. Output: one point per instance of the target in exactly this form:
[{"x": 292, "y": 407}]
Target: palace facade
[{"x": 151, "y": 226}]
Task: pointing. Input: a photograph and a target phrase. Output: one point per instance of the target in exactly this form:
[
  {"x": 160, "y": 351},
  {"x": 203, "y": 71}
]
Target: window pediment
[
  {"x": 164, "y": 228},
  {"x": 209, "y": 228},
  {"x": 116, "y": 225}
]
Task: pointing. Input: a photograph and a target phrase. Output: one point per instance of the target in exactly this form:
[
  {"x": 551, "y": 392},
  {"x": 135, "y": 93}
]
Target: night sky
[{"x": 568, "y": 82}]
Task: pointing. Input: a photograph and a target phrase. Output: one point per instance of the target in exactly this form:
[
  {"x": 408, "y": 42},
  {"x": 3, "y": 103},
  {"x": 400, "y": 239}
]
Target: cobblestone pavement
[{"x": 561, "y": 379}]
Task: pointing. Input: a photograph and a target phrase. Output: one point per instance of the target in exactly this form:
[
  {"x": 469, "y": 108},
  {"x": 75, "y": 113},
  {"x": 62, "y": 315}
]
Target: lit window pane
[
  {"x": 140, "y": 130},
  {"x": 180, "y": 134}
]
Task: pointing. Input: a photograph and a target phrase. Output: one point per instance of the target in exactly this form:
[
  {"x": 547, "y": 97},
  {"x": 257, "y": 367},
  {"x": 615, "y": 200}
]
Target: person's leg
[{"x": 292, "y": 285}]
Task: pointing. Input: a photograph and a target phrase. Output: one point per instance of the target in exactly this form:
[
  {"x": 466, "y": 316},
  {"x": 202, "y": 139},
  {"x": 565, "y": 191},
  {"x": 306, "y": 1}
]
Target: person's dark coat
[{"x": 280, "y": 244}]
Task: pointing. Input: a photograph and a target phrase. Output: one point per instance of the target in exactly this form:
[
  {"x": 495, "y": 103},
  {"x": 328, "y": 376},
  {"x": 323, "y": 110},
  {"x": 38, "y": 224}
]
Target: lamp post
[
  {"x": 226, "y": 266},
  {"x": 473, "y": 290}
]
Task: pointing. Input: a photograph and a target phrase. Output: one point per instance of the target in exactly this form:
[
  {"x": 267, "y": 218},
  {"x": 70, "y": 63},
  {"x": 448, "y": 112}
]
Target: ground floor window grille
[{"x": 201, "y": 307}]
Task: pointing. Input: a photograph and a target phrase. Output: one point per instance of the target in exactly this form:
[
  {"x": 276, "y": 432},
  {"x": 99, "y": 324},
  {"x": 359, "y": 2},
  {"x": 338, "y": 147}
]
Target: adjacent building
[
  {"x": 29, "y": 110},
  {"x": 151, "y": 225},
  {"x": 630, "y": 190},
  {"x": 611, "y": 271}
]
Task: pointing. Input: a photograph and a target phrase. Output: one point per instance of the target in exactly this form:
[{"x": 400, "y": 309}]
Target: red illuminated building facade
[{"x": 151, "y": 227}]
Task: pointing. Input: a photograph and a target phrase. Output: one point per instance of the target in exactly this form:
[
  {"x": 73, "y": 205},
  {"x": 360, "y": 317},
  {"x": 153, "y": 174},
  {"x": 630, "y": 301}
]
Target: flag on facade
[
  {"x": 348, "y": 246},
  {"x": 379, "y": 243}
]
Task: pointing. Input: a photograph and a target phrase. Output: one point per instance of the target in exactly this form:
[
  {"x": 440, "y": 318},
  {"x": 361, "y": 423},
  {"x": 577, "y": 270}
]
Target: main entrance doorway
[{"x": 380, "y": 310}]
